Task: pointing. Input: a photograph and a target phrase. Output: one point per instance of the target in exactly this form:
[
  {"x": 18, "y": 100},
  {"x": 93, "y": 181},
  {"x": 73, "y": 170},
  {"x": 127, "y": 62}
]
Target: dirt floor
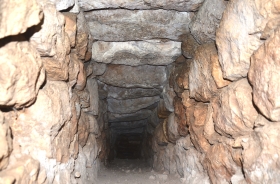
[{"x": 134, "y": 171}]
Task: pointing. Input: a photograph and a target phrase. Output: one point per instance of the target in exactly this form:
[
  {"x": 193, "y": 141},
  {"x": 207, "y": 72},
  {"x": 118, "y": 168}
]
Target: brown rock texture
[
  {"x": 21, "y": 74},
  {"x": 237, "y": 43},
  {"x": 234, "y": 113},
  {"x": 71, "y": 27},
  {"x": 201, "y": 83},
  {"x": 264, "y": 77}
]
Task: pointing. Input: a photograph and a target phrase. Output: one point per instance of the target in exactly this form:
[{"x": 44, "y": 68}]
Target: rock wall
[
  {"x": 194, "y": 81},
  {"x": 48, "y": 118},
  {"x": 226, "y": 97}
]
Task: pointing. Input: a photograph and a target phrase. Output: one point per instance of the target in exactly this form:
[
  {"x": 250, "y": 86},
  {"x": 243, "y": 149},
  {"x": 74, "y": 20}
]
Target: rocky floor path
[{"x": 134, "y": 171}]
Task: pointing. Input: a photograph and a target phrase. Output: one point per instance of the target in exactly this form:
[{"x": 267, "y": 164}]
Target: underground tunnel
[{"x": 139, "y": 91}]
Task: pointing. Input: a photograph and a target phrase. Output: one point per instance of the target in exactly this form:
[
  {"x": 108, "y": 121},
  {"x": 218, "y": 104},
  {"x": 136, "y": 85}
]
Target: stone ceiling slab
[
  {"x": 128, "y": 93},
  {"x": 141, "y": 76},
  {"x": 134, "y": 53},
  {"x": 128, "y": 25},
  {"x": 130, "y": 105},
  {"x": 180, "y": 5},
  {"x": 139, "y": 115}
]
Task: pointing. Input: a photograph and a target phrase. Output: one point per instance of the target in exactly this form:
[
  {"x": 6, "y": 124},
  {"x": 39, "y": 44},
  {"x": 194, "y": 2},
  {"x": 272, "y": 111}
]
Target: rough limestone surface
[
  {"x": 134, "y": 53},
  {"x": 52, "y": 101},
  {"x": 179, "y": 5},
  {"x": 204, "y": 25},
  {"x": 92, "y": 87},
  {"x": 260, "y": 153},
  {"x": 50, "y": 38},
  {"x": 234, "y": 113},
  {"x": 201, "y": 83},
  {"x": 188, "y": 162},
  {"x": 25, "y": 13},
  {"x": 130, "y": 105},
  {"x": 172, "y": 128},
  {"x": 264, "y": 77},
  {"x": 140, "y": 76},
  {"x": 237, "y": 43},
  {"x": 56, "y": 69},
  {"x": 74, "y": 68},
  {"x": 82, "y": 37},
  {"x": 128, "y": 25},
  {"x": 5, "y": 142},
  {"x": 63, "y": 4},
  {"x": 189, "y": 45},
  {"x": 217, "y": 73},
  {"x": 71, "y": 26},
  {"x": 220, "y": 164},
  {"x": 21, "y": 74},
  {"x": 197, "y": 127}
]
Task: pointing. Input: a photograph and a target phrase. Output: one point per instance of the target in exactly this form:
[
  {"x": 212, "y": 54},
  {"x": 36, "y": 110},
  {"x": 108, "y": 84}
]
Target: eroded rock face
[
  {"x": 137, "y": 25},
  {"x": 237, "y": 43},
  {"x": 30, "y": 15},
  {"x": 201, "y": 83},
  {"x": 264, "y": 77},
  {"x": 128, "y": 76},
  {"x": 234, "y": 113},
  {"x": 21, "y": 74},
  {"x": 151, "y": 52},
  {"x": 188, "y": 161},
  {"x": 220, "y": 165},
  {"x": 204, "y": 26},
  {"x": 260, "y": 153},
  {"x": 185, "y": 5}
]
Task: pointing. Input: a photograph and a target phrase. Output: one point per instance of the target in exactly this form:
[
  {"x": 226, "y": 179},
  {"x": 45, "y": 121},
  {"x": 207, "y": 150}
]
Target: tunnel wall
[
  {"x": 224, "y": 123},
  {"x": 49, "y": 127}
]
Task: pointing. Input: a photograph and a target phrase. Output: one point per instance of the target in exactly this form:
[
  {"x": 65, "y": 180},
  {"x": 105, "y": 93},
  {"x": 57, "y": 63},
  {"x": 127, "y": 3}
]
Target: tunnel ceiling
[{"x": 136, "y": 43}]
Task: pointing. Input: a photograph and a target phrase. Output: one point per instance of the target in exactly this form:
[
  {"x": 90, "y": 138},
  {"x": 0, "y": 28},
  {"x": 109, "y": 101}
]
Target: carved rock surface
[
  {"x": 234, "y": 113},
  {"x": 128, "y": 25},
  {"x": 264, "y": 77},
  {"x": 204, "y": 26},
  {"x": 237, "y": 43},
  {"x": 185, "y": 5},
  {"x": 201, "y": 83},
  {"x": 21, "y": 74},
  {"x": 134, "y": 53},
  {"x": 140, "y": 76},
  {"x": 25, "y": 13}
]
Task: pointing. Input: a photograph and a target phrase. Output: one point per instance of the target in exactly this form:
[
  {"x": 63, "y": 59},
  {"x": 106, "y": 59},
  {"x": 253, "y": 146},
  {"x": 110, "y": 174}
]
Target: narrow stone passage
[{"x": 136, "y": 171}]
